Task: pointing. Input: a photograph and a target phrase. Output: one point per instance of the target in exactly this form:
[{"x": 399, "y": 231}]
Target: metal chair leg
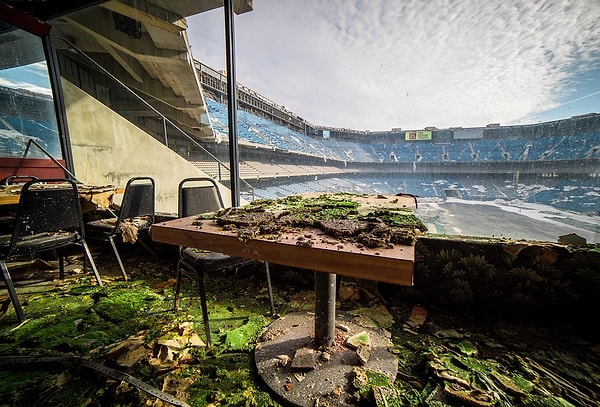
[
  {"x": 200, "y": 275},
  {"x": 148, "y": 248},
  {"x": 177, "y": 285},
  {"x": 88, "y": 255},
  {"x": 84, "y": 261},
  {"x": 12, "y": 292},
  {"x": 235, "y": 275},
  {"x": 204, "y": 307},
  {"x": 61, "y": 264},
  {"x": 269, "y": 288},
  {"x": 114, "y": 247}
]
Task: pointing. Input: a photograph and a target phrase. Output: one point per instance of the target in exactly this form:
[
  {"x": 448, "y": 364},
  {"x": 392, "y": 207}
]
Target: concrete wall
[{"x": 108, "y": 150}]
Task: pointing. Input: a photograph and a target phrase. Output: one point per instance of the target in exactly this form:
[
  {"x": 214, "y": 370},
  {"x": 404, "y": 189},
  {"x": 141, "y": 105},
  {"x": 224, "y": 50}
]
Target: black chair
[
  {"x": 135, "y": 214},
  {"x": 202, "y": 195},
  {"x": 14, "y": 179},
  {"x": 8, "y": 213},
  {"x": 48, "y": 218}
]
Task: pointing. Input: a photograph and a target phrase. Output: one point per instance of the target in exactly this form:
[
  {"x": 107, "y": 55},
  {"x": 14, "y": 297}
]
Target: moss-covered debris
[
  {"x": 79, "y": 318},
  {"x": 244, "y": 337},
  {"x": 452, "y": 359},
  {"x": 346, "y": 217},
  {"x": 75, "y": 317}
]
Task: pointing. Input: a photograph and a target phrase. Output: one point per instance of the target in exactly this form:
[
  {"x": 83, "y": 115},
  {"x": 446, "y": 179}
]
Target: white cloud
[
  {"x": 32, "y": 77},
  {"x": 8, "y": 83},
  {"x": 380, "y": 64}
]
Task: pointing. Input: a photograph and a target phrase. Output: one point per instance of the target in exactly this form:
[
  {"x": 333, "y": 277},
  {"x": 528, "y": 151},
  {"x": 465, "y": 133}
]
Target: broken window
[{"x": 27, "y": 109}]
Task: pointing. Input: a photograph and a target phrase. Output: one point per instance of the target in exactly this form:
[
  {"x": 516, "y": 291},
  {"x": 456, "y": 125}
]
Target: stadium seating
[{"x": 556, "y": 141}]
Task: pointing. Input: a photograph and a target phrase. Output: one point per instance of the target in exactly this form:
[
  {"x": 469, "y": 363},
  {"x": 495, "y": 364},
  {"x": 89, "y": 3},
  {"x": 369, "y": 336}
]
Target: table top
[
  {"x": 309, "y": 249},
  {"x": 10, "y": 195},
  {"x": 99, "y": 195}
]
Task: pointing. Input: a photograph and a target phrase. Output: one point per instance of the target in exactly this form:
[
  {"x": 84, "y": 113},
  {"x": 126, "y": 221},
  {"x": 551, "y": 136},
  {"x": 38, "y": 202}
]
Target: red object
[
  {"x": 24, "y": 21},
  {"x": 41, "y": 168}
]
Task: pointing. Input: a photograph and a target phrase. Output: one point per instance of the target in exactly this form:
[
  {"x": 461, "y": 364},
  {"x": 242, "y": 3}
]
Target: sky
[
  {"x": 32, "y": 77},
  {"x": 378, "y": 65}
]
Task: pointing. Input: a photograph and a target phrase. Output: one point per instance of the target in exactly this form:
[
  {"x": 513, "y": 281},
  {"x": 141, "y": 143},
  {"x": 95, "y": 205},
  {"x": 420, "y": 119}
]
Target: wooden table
[
  {"x": 10, "y": 195},
  {"x": 311, "y": 249},
  {"x": 308, "y": 249}
]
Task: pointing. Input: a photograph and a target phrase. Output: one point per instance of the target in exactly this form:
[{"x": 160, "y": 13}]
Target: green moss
[
  {"x": 399, "y": 395},
  {"x": 227, "y": 380},
  {"x": 122, "y": 305},
  {"x": 361, "y": 339},
  {"x": 524, "y": 384},
  {"x": 364, "y": 380},
  {"x": 15, "y": 385},
  {"x": 64, "y": 322},
  {"x": 402, "y": 219},
  {"x": 377, "y": 379},
  {"x": 342, "y": 212},
  {"x": 380, "y": 228},
  {"x": 467, "y": 348},
  {"x": 471, "y": 363},
  {"x": 243, "y": 337}
]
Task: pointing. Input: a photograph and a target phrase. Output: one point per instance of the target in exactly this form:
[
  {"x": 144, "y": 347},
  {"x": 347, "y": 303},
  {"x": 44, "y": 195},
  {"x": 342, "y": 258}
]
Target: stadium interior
[{"x": 106, "y": 91}]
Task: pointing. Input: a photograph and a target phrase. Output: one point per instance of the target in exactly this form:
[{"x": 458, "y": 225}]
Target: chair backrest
[
  {"x": 138, "y": 199},
  {"x": 15, "y": 179},
  {"x": 195, "y": 196},
  {"x": 47, "y": 206}
]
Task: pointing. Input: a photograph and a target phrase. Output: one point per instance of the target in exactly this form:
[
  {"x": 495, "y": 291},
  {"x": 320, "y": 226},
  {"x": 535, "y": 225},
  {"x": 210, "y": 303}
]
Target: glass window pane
[{"x": 26, "y": 101}]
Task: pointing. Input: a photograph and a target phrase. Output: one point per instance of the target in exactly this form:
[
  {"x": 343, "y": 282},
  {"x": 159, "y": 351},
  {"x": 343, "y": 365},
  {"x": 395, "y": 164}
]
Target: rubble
[
  {"x": 305, "y": 358},
  {"x": 446, "y": 357}
]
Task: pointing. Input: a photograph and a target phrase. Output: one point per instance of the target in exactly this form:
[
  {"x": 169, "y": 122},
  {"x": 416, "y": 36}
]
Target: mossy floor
[{"x": 445, "y": 359}]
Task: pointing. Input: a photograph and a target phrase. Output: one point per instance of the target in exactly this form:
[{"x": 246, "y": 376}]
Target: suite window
[{"x": 27, "y": 105}]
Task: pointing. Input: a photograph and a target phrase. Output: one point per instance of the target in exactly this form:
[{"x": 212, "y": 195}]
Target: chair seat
[
  {"x": 7, "y": 224},
  {"x": 208, "y": 261},
  {"x": 128, "y": 228},
  {"x": 39, "y": 242},
  {"x": 106, "y": 225},
  {"x": 136, "y": 214}
]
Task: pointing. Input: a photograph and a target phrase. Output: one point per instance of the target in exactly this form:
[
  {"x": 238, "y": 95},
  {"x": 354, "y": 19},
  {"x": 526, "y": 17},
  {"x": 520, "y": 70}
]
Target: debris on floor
[
  {"x": 448, "y": 351},
  {"x": 416, "y": 319}
]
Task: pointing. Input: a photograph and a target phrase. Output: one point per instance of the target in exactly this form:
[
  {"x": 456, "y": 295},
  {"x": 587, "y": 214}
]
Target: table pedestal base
[{"x": 329, "y": 380}]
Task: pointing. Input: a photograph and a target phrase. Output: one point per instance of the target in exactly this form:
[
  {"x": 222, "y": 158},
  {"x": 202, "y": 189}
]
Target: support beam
[
  {"x": 169, "y": 67},
  {"x": 232, "y": 104},
  {"x": 169, "y": 22},
  {"x": 191, "y": 7},
  {"x": 122, "y": 62}
]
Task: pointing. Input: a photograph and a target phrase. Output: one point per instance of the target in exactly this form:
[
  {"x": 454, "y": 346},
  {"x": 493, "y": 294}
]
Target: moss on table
[{"x": 364, "y": 219}]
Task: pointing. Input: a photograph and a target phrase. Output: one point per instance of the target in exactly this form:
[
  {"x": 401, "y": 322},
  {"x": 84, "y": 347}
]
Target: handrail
[
  {"x": 165, "y": 119},
  {"x": 35, "y": 143}
]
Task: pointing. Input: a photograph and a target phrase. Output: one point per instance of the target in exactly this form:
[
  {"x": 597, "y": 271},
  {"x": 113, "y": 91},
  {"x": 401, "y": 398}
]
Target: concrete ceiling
[
  {"x": 142, "y": 42},
  {"x": 48, "y": 9}
]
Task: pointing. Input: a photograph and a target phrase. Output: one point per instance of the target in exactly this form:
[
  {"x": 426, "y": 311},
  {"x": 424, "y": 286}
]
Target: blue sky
[
  {"x": 379, "y": 64},
  {"x": 32, "y": 77}
]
